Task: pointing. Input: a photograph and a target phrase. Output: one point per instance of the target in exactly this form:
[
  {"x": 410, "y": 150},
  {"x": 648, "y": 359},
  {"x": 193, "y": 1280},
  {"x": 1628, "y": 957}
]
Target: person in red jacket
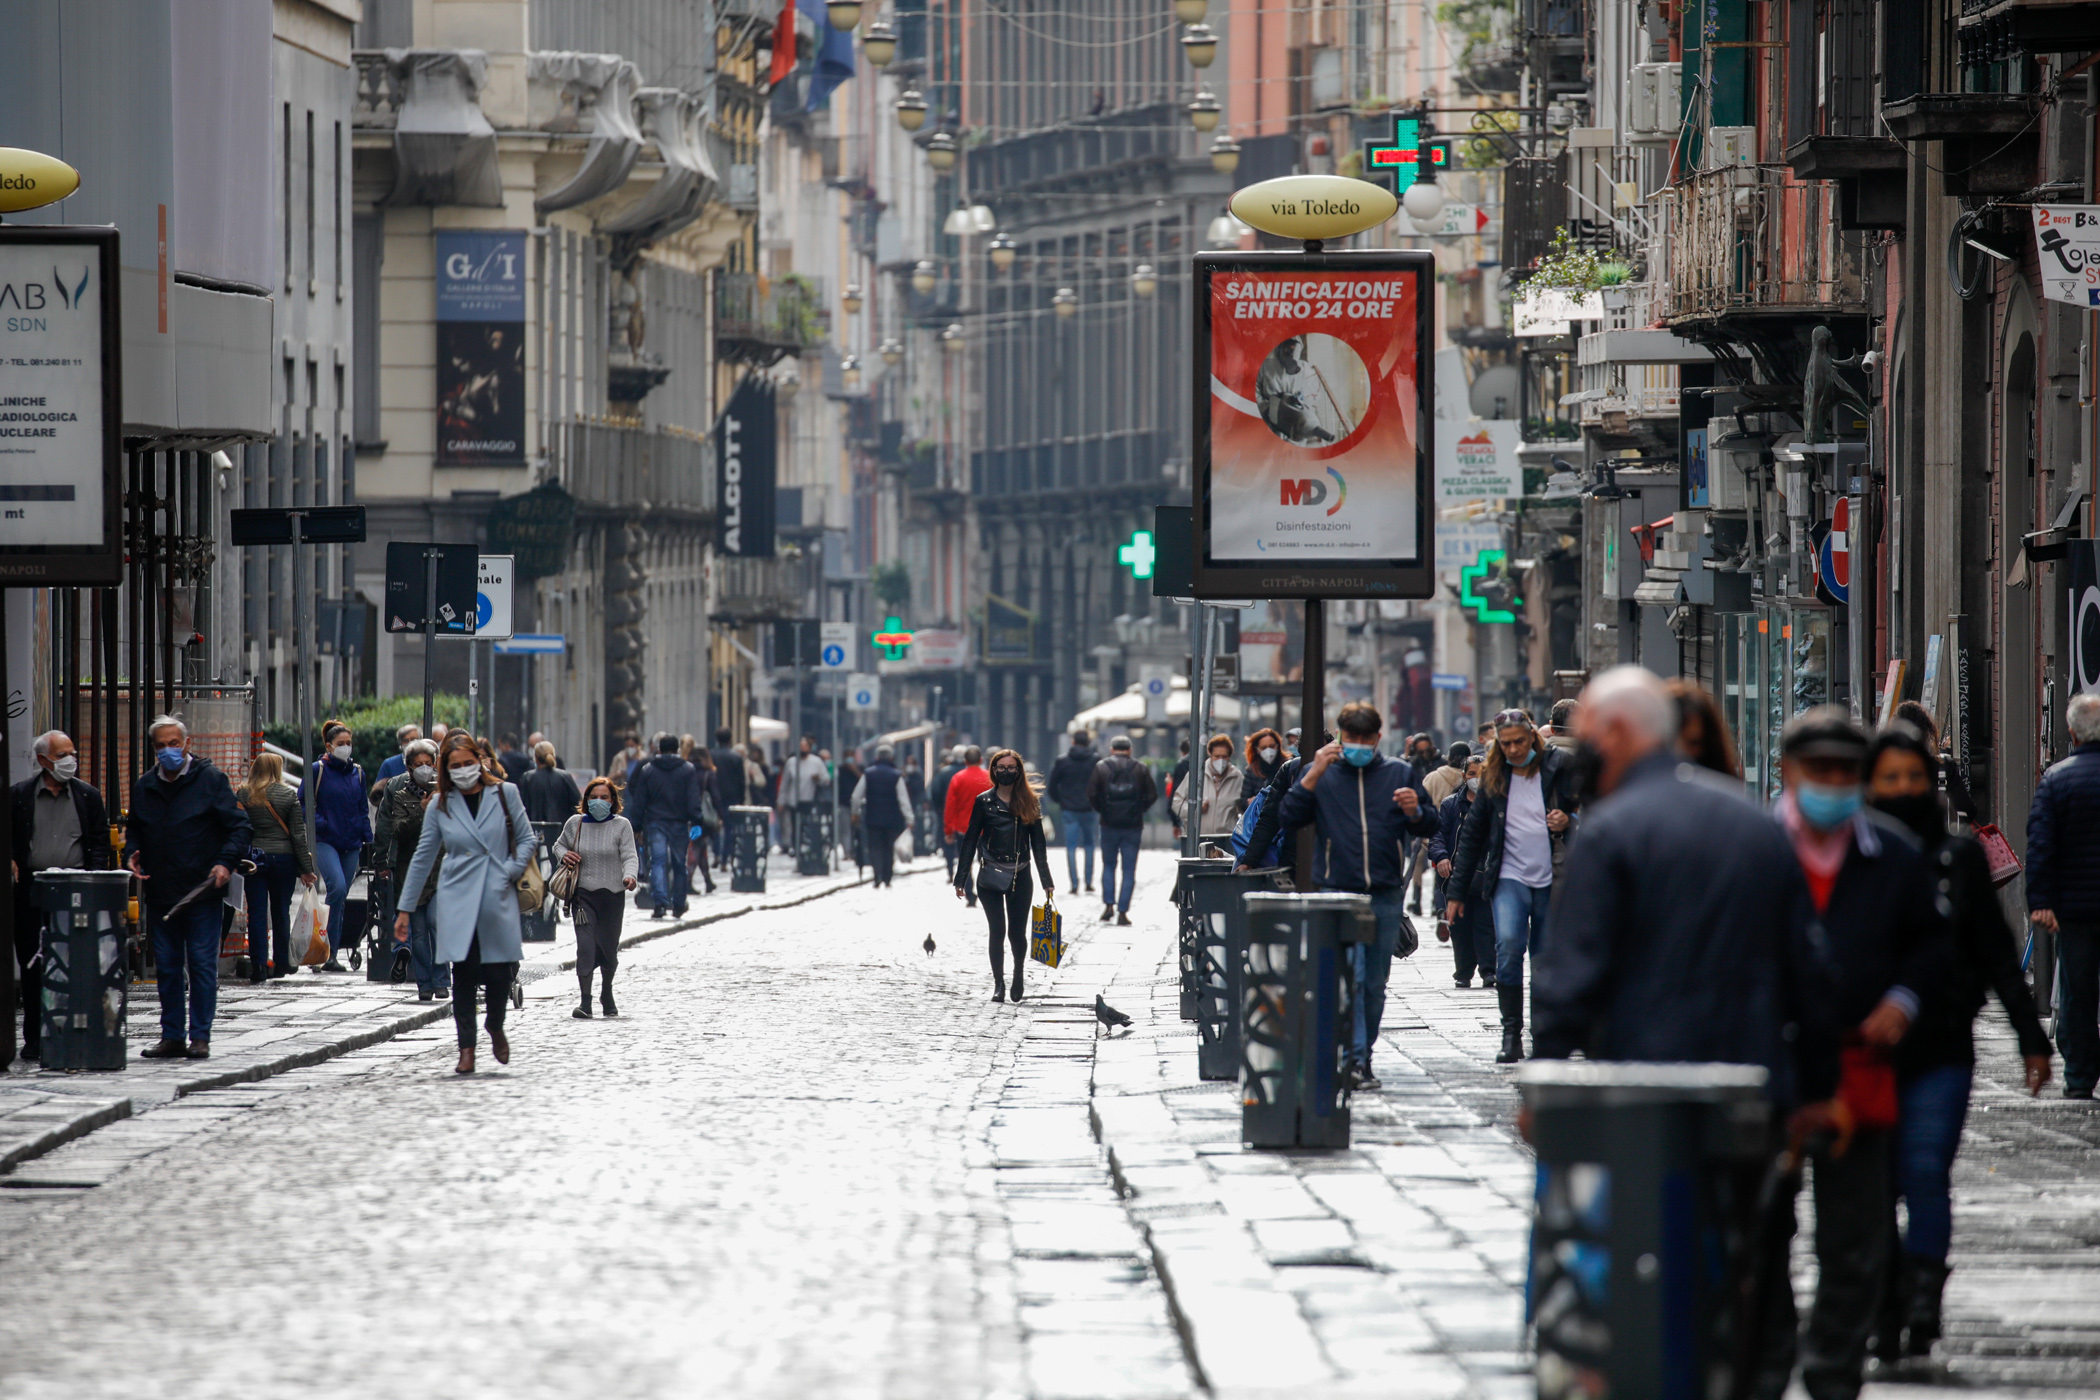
[{"x": 963, "y": 790}]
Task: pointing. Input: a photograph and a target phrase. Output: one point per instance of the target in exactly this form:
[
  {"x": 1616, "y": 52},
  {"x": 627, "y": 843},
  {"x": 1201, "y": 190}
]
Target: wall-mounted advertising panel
[
  {"x": 1313, "y": 451},
  {"x": 61, "y": 406},
  {"x": 481, "y": 348}
]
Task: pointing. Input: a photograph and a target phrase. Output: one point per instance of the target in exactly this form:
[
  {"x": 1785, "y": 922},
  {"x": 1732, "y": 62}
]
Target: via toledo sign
[
  {"x": 31, "y": 179},
  {"x": 1314, "y": 206}
]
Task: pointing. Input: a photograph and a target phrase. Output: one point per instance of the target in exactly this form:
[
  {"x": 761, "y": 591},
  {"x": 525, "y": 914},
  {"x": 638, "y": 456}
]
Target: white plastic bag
[{"x": 309, "y": 926}]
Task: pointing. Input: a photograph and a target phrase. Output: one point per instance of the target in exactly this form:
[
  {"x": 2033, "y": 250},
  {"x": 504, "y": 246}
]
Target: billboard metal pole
[{"x": 430, "y": 591}]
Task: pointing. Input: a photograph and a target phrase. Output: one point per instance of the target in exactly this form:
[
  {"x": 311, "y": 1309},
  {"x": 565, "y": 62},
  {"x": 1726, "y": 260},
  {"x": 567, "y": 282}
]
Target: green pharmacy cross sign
[
  {"x": 1404, "y": 155},
  {"x": 1469, "y": 579},
  {"x": 893, "y": 642},
  {"x": 1139, "y": 554}
]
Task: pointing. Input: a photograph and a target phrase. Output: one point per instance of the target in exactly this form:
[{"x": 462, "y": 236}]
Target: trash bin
[
  {"x": 749, "y": 829},
  {"x": 1187, "y": 870},
  {"x": 1221, "y": 949},
  {"x": 85, "y": 976},
  {"x": 814, "y": 829},
  {"x": 1294, "y": 1017},
  {"x": 1646, "y": 1175}
]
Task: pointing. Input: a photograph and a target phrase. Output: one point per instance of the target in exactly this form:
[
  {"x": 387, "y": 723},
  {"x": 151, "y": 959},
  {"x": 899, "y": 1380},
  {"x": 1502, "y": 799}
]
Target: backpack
[
  {"x": 1123, "y": 794},
  {"x": 1243, "y": 834}
]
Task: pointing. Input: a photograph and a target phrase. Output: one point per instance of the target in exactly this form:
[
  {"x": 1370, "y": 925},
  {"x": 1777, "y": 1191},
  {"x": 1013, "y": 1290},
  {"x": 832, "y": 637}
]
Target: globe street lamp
[
  {"x": 1224, "y": 154},
  {"x": 844, "y": 13},
  {"x": 1065, "y": 302},
  {"x": 924, "y": 277},
  {"x": 1204, "y": 110},
  {"x": 1191, "y": 11},
  {"x": 849, "y": 372},
  {"x": 911, "y": 109},
  {"x": 892, "y": 352},
  {"x": 1226, "y": 231},
  {"x": 852, "y": 300},
  {"x": 952, "y": 338},
  {"x": 940, "y": 151},
  {"x": 879, "y": 42},
  {"x": 1423, "y": 201},
  {"x": 1002, "y": 250},
  {"x": 1143, "y": 280},
  {"x": 1199, "y": 43}
]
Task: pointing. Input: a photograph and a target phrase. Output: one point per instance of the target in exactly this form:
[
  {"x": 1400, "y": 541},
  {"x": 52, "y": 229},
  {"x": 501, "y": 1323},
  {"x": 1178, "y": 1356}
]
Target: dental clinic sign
[{"x": 60, "y": 406}]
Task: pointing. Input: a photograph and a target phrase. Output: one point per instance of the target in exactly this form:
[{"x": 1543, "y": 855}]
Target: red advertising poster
[{"x": 1312, "y": 429}]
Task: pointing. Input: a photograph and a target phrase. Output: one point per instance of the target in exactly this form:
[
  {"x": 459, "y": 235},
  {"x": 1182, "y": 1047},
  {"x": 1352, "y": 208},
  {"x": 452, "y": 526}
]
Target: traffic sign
[
  {"x": 1155, "y": 683},
  {"x": 1834, "y": 555},
  {"x": 1449, "y": 680},
  {"x": 835, "y": 646},
  {"x": 1454, "y": 220},
  {"x": 863, "y": 692},
  {"x": 533, "y": 644},
  {"x": 408, "y": 587},
  {"x": 494, "y": 597}
]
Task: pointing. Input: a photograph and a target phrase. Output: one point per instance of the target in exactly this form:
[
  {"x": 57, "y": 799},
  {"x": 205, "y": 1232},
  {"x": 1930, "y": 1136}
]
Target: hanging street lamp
[
  {"x": 844, "y": 14},
  {"x": 1204, "y": 110},
  {"x": 1199, "y": 43},
  {"x": 1224, "y": 154},
  {"x": 849, "y": 372},
  {"x": 892, "y": 352},
  {"x": 1191, "y": 11},
  {"x": 940, "y": 152},
  {"x": 852, "y": 301},
  {"x": 1065, "y": 302},
  {"x": 1143, "y": 280},
  {"x": 911, "y": 109},
  {"x": 879, "y": 42},
  {"x": 1003, "y": 253},
  {"x": 952, "y": 338},
  {"x": 924, "y": 277}
]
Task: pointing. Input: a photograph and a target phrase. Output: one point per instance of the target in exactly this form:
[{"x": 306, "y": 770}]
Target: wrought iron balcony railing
[{"x": 1756, "y": 241}]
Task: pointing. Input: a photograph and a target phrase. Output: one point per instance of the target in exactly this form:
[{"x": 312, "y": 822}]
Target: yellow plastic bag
[{"x": 1046, "y": 934}]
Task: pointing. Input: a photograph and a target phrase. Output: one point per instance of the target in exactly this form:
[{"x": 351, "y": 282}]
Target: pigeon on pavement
[
  {"x": 928, "y": 945},
  {"x": 1107, "y": 1015}
]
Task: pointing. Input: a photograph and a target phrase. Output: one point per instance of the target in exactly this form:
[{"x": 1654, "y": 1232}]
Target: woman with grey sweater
[{"x": 598, "y": 844}]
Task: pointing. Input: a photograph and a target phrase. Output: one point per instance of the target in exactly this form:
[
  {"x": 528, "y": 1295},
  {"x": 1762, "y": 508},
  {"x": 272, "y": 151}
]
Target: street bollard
[
  {"x": 1294, "y": 1021},
  {"x": 813, "y": 839},
  {"x": 1215, "y": 898},
  {"x": 1187, "y": 870},
  {"x": 84, "y": 969},
  {"x": 748, "y": 830},
  {"x": 1647, "y": 1183}
]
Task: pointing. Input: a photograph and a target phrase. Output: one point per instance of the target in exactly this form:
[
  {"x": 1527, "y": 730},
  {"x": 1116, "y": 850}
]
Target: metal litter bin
[
  {"x": 1294, "y": 1022},
  {"x": 749, "y": 833},
  {"x": 815, "y": 828},
  {"x": 1187, "y": 870},
  {"x": 1221, "y": 949},
  {"x": 1646, "y": 1185},
  {"x": 85, "y": 976}
]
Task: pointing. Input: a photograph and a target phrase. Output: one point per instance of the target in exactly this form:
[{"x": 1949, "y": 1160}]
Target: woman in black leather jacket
[{"x": 1002, "y": 819}]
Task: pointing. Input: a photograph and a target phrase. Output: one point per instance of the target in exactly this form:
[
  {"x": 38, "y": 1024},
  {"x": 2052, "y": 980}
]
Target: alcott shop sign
[{"x": 1314, "y": 206}]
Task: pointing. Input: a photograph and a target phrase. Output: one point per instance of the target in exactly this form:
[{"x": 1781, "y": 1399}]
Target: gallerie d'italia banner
[{"x": 1316, "y": 428}]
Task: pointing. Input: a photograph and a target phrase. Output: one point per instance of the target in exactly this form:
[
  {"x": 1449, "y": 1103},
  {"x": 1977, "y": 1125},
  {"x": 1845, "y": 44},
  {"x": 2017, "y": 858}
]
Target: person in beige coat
[{"x": 1222, "y": 782}]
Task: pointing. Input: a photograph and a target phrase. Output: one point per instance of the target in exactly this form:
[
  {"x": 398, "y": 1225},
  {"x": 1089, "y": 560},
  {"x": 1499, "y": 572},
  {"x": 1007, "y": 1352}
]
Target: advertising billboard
[
  {"x": 1313, "y": 426},
  {"x": 480, "y": 348}
]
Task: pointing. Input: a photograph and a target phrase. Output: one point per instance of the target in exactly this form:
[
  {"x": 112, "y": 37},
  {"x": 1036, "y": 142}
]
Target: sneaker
[
  {"x": 199, "y": 1050},
  {"x": 165, "y": 1050},
  {"x": 1365, "y": 1079},
  {"x": 331, "y": 966}
]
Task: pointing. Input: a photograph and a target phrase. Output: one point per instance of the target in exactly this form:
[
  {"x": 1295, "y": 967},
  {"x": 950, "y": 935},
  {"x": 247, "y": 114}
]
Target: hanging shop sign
[
  {"x": 2067, "y": 245},
  {"x": 1478, "y": 461},
  {"x": 2082, "y": 571},
  {"x": 746, "y": 447},
  {"x": 1313, "y": 429},
  {"x": 61, "y": 406},
  {"x": 481, "y": 348}
]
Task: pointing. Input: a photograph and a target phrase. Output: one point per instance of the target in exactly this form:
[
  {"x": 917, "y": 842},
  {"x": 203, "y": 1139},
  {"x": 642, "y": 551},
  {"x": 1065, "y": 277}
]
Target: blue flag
[{"x": 834, "y": 56}]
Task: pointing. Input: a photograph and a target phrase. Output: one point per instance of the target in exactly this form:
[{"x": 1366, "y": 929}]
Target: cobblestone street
[{"x": 808, "y": 1160}]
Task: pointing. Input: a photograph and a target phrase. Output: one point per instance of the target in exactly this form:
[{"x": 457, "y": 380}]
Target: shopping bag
[
  {"x": 1046, "y": 934},
  {"x": 2004, "y": 862},
  {"x": 309, "y": 927}
]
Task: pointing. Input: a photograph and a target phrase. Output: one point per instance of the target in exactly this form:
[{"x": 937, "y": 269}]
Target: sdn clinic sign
[{"x": 1314, "y": 393}]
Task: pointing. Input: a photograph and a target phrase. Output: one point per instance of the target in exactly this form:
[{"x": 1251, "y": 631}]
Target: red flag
[{"x": 783, "y": 45}]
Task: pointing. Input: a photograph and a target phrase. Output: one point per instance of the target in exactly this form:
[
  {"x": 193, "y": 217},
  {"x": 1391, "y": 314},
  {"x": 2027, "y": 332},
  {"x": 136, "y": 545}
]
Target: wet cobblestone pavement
[{"x": 808, "y": 1160}]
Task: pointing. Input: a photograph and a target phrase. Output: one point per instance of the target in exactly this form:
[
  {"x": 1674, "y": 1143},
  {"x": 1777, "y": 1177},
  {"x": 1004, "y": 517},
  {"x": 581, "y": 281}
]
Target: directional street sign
[
  {"x": 533, "y": 644},
  {"x": 493, "y": 600},
  {"x": 835, "y": 646},
  {"x": 863, "y": 692}
]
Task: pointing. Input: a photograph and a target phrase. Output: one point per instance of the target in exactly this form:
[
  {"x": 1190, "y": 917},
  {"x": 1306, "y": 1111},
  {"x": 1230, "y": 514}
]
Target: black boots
[
  {"x": 1928, "y": 1281},
  {"x": 605, "y": 1001},
  {"x": 583, "y": 1005},
  {"x": 1511, "y": 998}
]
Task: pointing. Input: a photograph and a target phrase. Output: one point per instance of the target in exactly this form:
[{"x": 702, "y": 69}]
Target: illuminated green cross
[
  {"x": 893, "y": 641},
  {"x": 1472, "y": 574},
  {"x": 1138, "y": 554}
]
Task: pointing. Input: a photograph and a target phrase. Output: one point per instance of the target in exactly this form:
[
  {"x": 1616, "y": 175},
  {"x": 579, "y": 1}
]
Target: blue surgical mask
[
  {"x": 1827, "y": 807},
  {"x": 599, "y": 809},
  {"x": 1360, "y": 755},
  {"x": 170, "y": 758}
]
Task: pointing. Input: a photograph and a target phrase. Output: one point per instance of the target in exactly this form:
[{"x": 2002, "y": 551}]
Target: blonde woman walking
[{"x": 272, "y": 805}]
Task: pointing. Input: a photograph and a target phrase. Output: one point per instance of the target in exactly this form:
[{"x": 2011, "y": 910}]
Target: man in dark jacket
[
  {"x": 60, "y": 823},
  {"x": 184, "y": 830},
  {"x": 729, "y": 790},
  {"x": 937, "y": 797},
  {"x": 1472, "y": 934},
  {"x": 1506, "y": 853},
  {"x": 1361, "y": 819},
  {"x": 1082, "y": 824},
  {"x": 2063, "y": 889},
  {"x": 663, "y": 802},
  {"x": 1120, "y": 790},
  {"x": 882, "y": 806}
]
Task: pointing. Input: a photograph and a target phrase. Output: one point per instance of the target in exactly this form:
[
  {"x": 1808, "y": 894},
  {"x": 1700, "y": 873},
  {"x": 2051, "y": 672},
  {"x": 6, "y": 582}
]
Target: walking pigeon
[
  {"x": 928, "y": 945},
  {"x": 1107, "y": 1015}
]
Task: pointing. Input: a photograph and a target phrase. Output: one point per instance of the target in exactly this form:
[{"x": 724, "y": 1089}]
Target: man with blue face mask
[{"x": 1362, "y": 816}]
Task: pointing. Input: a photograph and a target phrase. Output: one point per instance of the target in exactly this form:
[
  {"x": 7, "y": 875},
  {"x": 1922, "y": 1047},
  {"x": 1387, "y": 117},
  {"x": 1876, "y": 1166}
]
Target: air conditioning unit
[
  {"x": 1653, "y": 100},
  {"x": 1731, "y": 147}
]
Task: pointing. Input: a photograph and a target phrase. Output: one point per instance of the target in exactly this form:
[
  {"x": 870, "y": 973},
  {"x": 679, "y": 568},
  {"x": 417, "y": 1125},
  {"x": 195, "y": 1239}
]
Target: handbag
[
  {"x": 308, "y": 938},
  {"x": 561, "y": 885},
  {"x": 1998, "y": 852},
  {"x": 530, "y": 884},
  {"x": 1046, "y": 933},
  {"x": 1867, "y": 1084},
  {"x": 997, "y": 876}
]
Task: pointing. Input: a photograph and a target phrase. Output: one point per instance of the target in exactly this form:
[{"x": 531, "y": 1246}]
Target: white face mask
[
  {"x": 341, "y": 752},
  {"x": 427, "y": 775},
  {"x": 63, "y": 769},
  {"x": 1219, "y": 765},
  {"x": 468, "y": 778},
  {"x": 1268, "y": 753}
]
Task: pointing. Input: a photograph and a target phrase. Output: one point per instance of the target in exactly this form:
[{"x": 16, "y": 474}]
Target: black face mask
[
  {"x": 1583, "y": 771},
  {"x": 1005, "y": 777},
  {"x": 1922, "y": 814}
]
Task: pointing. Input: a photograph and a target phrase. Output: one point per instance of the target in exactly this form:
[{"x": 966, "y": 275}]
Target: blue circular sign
[
  {"x": 484, "y": 611},
  {"x": 834, "y": 655}
]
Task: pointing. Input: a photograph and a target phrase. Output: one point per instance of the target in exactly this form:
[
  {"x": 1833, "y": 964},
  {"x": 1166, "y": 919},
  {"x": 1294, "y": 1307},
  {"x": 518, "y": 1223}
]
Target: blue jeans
[
  {"x": 186, "y": 965},
  {"x": 669, "y": 884},
  {"x": 1119, "y": 843},
  {"x": 269, "y": 892},
  {"x": 430, "y": 974},
  {"x": 1372, "y": 966},
  {"x": 1520, "y": 922},
  {"x": 1932, "y": 1106},
  {"x": 338, "y": 866},
  {"x": 1082, "y": 831}
]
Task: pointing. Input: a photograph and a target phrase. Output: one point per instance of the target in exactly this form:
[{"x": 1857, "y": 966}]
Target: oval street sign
[
  {"x": 1314, "y": 206},
  {"x": 31, "y": 179}
]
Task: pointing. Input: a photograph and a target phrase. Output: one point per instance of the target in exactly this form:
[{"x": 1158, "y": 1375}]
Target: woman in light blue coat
[{"x": 478, "y": 824}]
